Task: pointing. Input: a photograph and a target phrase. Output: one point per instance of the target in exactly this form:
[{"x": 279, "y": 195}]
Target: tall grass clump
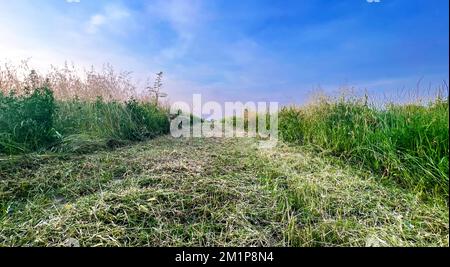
[
  {"x": 131, "y": 120},
  {"x": 26, "y": 122},
  {"x": 408, "y": 143},
  {"x": 68, "y": 111}
]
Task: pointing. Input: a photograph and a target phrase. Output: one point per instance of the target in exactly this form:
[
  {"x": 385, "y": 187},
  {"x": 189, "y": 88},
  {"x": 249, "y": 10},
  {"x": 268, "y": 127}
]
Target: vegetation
[
  {"x": 33, "y": 119},
  {"x": 347, "y": 174},
  {"x": 208, "y": 192},
  {"x": 26, "y": 122},
  {"x": 37, "y": 122},
  {"x": 407, "y": 143}
]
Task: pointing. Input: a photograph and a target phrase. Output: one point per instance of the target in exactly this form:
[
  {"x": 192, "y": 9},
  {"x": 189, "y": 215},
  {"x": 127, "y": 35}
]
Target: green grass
[
  {"x": 208, "y": 192},
  {"x": 71, "y": 172},
  {"x": 26, "y": 122},
  {"x": 38, "y": 122},
  {"x": 406, "y": 143},
  {"x": 330, "y": 204}
]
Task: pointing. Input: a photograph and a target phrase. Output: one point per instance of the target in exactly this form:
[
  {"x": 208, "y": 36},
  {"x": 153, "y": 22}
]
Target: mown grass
[
  {"x": 72, "y": 174},
  {"x": 208, "y": 192},
  {"x": 166, "y": 192},
  {"x": 330, "y": 204},
  {"x": 406, "y": 143}
]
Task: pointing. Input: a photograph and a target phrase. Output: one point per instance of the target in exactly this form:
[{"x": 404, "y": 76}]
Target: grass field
[
  {"x": 208, "y": 192},
  {"x": 90, "y": 163},
  {"x": 407, "y": 143},
  {"x": 66, "y": 113}
]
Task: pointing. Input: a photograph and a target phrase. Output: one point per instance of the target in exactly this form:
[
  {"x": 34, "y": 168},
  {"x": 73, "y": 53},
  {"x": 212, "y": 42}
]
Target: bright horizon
[{"x": 239, "y": 50}]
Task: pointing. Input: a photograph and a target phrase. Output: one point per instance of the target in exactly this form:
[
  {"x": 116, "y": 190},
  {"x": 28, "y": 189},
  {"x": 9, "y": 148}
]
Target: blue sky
[{"x": 239, "y": 50}]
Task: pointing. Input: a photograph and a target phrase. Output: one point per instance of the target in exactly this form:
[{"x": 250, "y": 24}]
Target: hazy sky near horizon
[{"x": 239, "y": 50}]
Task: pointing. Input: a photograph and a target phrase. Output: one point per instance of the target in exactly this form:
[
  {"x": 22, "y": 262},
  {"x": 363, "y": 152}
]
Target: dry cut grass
[{"x": 207, "y": 192}]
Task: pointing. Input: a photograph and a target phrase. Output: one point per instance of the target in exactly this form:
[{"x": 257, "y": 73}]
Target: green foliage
[
  {"x": 26, "y": 122},
  {"x": 36, "y": 121},
  {"x": 407, "y": 143},
  {"x": 149, "y": 119},
  {"x": 250, "y": 121}
]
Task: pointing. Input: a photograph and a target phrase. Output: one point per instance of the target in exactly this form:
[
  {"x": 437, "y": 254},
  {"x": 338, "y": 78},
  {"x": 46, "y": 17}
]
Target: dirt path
[{"x": 207, "y": 192}]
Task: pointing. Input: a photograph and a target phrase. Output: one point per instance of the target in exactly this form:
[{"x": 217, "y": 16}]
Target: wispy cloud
[
  {"x": 111, "y": 17},
  {"x": 228, "y": 49},
  {"x": 184, "y": 18}
]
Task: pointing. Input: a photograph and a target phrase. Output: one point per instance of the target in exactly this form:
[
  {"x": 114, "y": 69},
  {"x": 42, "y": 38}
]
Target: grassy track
[{"x": 207, "y": 192}]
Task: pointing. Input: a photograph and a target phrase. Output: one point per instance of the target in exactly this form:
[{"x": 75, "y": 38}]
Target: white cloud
[
  {"x": 111, "y": 16},
  {"x": 22, "y": 39},
  {"x": 73, "y": 1},
  {"x": 185, "y": 18}
]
